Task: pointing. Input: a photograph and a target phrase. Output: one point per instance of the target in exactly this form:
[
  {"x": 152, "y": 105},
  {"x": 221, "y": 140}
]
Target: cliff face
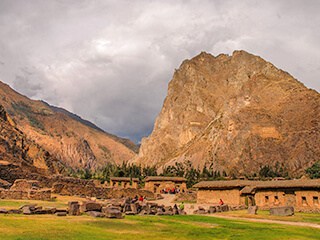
[
  {"x": 237, "y": 113},
  {"x": 76, "y": 143}
]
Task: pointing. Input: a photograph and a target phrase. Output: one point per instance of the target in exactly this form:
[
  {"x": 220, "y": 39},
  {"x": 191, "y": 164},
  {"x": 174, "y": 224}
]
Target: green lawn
[{"x": 144, "y": 227}]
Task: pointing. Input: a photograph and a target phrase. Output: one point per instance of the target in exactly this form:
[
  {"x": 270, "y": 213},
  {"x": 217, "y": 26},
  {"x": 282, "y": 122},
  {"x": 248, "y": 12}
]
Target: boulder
[
  {"x": 282, "y": 211},
  {"x": 252, "y": 210}
]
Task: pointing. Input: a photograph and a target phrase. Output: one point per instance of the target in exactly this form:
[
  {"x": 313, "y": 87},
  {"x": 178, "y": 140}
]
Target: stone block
[
  {"x": 91, "y": 206},
  {"x": 95, "y": 214},
  {"x": 212, "y": 209},
  {"x": 134, "y": 207},
  {"x": 252, "y": 210},
  {"x": 224, "y": 208},
  {"x": 61, "y": 214},
  {"x": 74, "y": 208},
  {"x": 15, "y": 211},
  {"x": 282, "y": 211},
  {"x": 112, "y": 213}
]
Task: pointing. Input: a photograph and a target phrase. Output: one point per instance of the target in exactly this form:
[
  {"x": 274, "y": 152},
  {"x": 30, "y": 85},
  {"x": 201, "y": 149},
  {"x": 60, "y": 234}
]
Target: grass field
[
  {"x": 144, "y": 227},
  {"x": 148, "y": 227}
]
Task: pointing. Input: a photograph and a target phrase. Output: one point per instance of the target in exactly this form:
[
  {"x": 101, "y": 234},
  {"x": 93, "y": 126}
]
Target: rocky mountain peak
[{"x": 237, "y": 113}]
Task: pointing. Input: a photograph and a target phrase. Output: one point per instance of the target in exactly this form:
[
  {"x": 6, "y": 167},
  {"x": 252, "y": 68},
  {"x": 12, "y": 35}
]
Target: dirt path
[
  {"x": 168, "y": 200},
  {"x": 301, "y": 224}
]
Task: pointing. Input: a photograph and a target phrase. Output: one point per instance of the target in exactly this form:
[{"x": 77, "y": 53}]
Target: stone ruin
[
  {"x": 114, "y": 208},
  {"x": 88, "y": 188},
  {"x": 218, "y": 208},
  {"x": 25, "y": 190}
]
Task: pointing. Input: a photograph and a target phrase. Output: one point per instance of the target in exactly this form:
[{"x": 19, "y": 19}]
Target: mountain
[
  {"x": 236, "y": 113},
  {"x": 76, "y": 142},
  {"x": 128, "y": 143},
  {"x": 21, "y": 157}
]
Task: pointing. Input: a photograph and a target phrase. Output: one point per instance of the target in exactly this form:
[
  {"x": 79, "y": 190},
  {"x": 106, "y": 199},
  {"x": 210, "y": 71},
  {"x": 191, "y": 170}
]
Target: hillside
[
  {"x": 20, "y": 157},
  {"x": 236, "y": 113},
  {"x": 74, "y": 141}
]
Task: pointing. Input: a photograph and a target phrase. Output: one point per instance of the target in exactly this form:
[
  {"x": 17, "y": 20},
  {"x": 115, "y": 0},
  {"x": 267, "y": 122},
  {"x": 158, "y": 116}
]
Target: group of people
[{"x": 170, "y": 190}]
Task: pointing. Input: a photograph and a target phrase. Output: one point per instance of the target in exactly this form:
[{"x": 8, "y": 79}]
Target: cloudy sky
[{"x": 110, "y": 61}]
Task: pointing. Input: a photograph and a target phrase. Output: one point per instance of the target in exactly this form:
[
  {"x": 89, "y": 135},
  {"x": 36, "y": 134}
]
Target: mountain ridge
[{"x": 76, "y": 144}]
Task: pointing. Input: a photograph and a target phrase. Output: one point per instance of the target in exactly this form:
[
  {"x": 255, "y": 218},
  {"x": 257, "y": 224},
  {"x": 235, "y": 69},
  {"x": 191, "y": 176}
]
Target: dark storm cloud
[{"x": 111, "y": 61}]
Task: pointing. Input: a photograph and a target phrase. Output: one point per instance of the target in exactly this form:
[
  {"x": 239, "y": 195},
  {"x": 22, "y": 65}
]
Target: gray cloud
[{"x": 110, "y": 61}]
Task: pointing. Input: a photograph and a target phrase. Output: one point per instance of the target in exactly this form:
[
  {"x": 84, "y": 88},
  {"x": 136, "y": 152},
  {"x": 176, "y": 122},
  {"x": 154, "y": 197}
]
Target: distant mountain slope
[
  {"x": 236, "y": 113},
  {"x": 128, "y": 143},
  {"x": 75, "y": 142}
]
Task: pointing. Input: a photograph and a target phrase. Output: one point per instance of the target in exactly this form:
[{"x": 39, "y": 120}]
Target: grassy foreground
[{"x": 144, "y": 227}]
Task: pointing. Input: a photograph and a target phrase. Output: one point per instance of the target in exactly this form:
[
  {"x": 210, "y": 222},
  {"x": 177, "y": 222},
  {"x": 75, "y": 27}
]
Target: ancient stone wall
[
  {"x": 307, "y": 200},
  {"x": 269, "y": 198},
  {"x": 158, "y": 186},
  {"x": 23, "y": 184},
  {"x": 229, "y": 196},
  {"x": 299, "y": 199},
  {"x": 43, "y": 195},
  {"x": 85, "y": 188}
]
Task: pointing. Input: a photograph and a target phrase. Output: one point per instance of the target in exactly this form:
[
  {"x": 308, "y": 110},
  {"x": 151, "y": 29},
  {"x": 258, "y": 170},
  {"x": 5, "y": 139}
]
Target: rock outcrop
[{"x": 236, "y": 113}]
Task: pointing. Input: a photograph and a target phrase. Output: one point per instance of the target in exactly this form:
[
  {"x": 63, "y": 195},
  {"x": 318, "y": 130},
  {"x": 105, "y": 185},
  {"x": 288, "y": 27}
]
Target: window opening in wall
[
  {"x": 304, "y": 200},
  {"x": 316, "y": 200},
  {"x": 276, "y": 200},
  {"x": 266, "y": 199}
]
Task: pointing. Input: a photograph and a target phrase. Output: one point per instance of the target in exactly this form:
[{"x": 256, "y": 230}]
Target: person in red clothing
[
  {"x": 221, "y": 202},
  {"x": 141, "y": 198}
]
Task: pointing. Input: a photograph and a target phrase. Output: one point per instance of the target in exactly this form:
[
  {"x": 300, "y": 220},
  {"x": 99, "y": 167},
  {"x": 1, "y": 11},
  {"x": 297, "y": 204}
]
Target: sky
[{"x": 110, "y": 62}]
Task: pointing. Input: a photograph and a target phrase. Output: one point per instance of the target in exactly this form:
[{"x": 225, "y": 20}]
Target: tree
[{"x": 314, "y": 170}]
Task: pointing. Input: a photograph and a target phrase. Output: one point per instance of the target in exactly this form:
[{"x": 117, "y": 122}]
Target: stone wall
[
  {"x": 23, "y": 184},
  {"x": 44, "y": 195},
  {"x": 301, "y": 200},
  {"x": 87, "y": 188},
  {"x": 307, "y": 200},
  {"x": 23, "y": 189},
  {"x": 229, "y": 196},
  {"x": 268, "y": 199},
  {"x": 157, "y": 186}
]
